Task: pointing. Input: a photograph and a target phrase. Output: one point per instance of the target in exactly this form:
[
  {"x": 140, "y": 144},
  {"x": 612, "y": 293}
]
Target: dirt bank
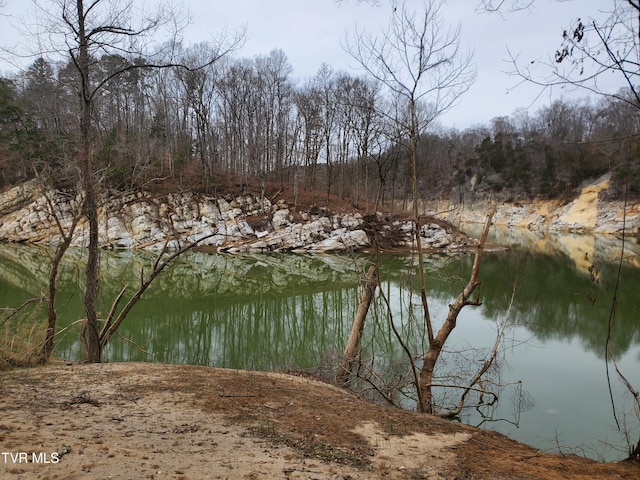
[{"x": 156, "y": 421}]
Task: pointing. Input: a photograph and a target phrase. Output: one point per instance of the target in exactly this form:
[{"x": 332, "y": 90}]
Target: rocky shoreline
[
  {"x": 249, "y": 223},
  {"x": 239, "y": 224}
]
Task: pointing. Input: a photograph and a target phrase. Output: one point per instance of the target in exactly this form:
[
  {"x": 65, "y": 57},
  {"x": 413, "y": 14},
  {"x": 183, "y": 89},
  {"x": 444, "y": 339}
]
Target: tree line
[{"x": 248, "y": 121}]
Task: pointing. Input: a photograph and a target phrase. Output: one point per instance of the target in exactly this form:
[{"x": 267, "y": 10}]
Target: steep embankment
[
  {"x": 253, "y": 223},
  {"x": 240, "y": 223},
  {"x": 588, "y": 212}
]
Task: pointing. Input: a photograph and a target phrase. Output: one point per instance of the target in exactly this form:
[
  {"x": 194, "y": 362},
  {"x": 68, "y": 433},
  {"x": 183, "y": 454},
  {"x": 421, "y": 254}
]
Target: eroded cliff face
[
  {"x": 590, "y": 212},
  {"x": 245, "y": 223},
  {"x": 249, "y": 223},
  {"x": 17, "y": 197}
]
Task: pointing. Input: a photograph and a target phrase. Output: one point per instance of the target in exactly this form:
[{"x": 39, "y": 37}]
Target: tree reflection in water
[{"x": 279, "y": 312}]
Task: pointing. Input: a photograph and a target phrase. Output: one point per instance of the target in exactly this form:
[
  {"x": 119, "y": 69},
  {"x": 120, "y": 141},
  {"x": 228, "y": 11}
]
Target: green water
[{"x": 279, "y": 312}]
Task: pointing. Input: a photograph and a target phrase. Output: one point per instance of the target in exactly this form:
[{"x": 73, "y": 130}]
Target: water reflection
[
  {"x": 274, "y": 312},
  {"x": 209, "y": 309}
]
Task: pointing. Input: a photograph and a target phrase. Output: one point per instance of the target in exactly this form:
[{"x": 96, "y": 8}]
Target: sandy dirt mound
[{"x": 151, "y": 421}]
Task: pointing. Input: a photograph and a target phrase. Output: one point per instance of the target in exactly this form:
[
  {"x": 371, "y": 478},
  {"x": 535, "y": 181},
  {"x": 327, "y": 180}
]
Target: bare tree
[
  {"x": 61, "y": 249},
  {"x": 200, "y": 87},
  {"x": 418, "y": 59},
  {"x": 308, "y": 102},
  {"x": 352, "y": 349},
  {"x": 85, "y": 31},
  {"x": 505, "y": 5},
  {"x": 590, "y": 50}
]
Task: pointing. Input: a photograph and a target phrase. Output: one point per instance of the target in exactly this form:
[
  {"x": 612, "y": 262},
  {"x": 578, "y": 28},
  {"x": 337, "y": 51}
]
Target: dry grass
[{"x": 22, "y": 333}]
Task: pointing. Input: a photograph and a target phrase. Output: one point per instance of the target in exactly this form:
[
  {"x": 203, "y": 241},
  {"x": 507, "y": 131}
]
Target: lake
[{"x": 550, "y": 295}]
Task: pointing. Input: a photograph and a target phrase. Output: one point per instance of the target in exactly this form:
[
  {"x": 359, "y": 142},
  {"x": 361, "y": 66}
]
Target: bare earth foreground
[{"x": 134, "y": 420}]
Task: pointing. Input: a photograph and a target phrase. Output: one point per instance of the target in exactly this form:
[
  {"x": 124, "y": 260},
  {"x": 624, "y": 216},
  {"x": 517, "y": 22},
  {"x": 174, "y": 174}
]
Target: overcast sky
[{"x": 311, "y": 32}]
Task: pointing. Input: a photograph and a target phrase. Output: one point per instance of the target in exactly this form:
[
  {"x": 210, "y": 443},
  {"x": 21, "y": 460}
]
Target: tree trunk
[
  {"x": 52, "y": 316},
  {"x": 635, "y": 455},
  {"x": 93, "y": 265},
  {"x": 436, "y": 345},
  {"x": 88, "y": 185},
  {"x": 353, "y": 343}
]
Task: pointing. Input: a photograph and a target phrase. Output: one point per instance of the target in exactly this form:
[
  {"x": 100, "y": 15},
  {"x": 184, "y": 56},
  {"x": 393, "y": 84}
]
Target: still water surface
[{"x": 277, "y": 312}]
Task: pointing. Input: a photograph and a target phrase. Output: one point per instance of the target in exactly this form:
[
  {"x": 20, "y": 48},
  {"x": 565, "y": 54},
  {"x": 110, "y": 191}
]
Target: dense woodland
[{"x": 249, "y": 122}]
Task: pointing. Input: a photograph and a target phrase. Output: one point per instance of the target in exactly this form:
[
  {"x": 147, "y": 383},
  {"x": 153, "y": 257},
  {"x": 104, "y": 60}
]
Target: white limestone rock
[
  {"x": 280, "y": 219},
  {"x": 340, "y": 240}
]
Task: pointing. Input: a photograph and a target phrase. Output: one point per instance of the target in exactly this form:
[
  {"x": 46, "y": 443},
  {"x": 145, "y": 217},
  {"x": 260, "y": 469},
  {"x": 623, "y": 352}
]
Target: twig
[
  {"x": 25, "y": 403},
  {"x": 22, "y": 307},
  {"x": 128, "y": 340},
  {"x": 231, "y": 395}
]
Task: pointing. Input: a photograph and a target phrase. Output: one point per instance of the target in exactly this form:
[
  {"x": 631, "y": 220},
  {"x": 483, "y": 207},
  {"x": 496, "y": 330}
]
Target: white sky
[{"x": 310, "y": 32}]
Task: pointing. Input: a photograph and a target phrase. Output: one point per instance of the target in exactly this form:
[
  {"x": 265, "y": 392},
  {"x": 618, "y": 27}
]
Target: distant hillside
[{"x": 248, "y": 126}]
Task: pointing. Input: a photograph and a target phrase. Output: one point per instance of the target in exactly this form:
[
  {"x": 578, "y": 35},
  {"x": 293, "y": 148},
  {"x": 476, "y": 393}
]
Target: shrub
[{"x": 22, "y": 333}]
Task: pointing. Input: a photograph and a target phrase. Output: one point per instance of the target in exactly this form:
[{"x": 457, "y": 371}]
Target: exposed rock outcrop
[
  {"x": 589, "y": 212},
  {"x": 245, "y": 223},
  {"x": 15, "y": 198},
  {"x": 249, "y": 223}
]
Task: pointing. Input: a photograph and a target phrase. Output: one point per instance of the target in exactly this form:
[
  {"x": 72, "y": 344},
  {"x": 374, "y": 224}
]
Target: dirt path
[{"x": 151, "y": 421}]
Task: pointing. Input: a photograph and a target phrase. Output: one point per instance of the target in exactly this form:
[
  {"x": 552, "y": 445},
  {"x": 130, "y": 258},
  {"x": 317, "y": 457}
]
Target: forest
[{"x": 247, "y": 121}]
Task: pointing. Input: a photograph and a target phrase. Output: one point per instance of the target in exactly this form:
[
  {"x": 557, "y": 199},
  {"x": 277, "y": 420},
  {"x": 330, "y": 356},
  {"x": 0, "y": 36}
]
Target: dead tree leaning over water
[
  {"x": 436, "y": 344},
  {"x": 352, "y": 349}
]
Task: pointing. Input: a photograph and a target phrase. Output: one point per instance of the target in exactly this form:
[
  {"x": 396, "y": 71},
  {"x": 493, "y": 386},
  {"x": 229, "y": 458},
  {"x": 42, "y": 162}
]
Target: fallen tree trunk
[{"x": 353, "y": 343}]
